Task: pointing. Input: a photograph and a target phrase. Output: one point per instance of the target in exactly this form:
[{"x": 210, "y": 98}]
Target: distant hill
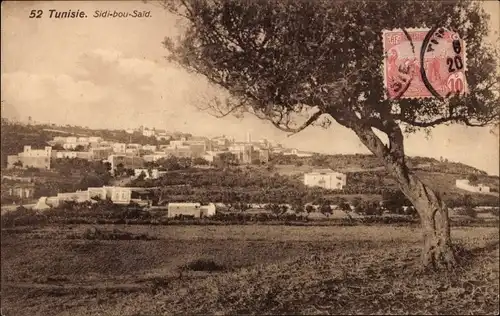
[
  {"x": 14, "y": 136},
  {"x": 365, "y": 173},
  {"x": 364, "y": 162}
]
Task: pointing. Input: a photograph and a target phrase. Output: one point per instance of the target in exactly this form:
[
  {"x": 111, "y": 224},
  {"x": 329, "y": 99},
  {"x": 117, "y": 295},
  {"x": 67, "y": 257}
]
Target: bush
[
  {"x": 495, "y": 212},
  {"x": 372, "y": 209},
  {"x": 203, "y": 265},
  {"x": 467, "y": 211},
  {"x": 411, "y": 211}
]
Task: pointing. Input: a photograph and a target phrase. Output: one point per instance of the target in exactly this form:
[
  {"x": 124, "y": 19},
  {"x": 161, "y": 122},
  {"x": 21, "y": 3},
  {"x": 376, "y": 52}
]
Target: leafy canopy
[{"x": 279, "y": 58}]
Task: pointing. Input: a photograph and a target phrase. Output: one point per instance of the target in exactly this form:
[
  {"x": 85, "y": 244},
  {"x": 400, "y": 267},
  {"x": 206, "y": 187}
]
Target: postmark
[{"x": 423, "y": 63}]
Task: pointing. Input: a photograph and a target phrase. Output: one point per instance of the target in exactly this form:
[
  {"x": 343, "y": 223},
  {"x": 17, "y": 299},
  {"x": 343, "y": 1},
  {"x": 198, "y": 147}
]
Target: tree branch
[
  {"x": 449, "y": 119},
  {"x": 230, "y": 108},
  {"x": 296, "y": 130}
]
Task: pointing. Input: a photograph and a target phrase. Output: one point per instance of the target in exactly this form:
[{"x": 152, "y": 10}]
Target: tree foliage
[{"x": 280, "y": 58}]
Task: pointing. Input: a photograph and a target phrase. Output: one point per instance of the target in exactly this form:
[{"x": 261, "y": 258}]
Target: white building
[
  {"x": 190, "y": 209},
  {"x": 149, "y": 147},
  {"x": 148, "y": 132},
  {"x": 36, "y": 158},
  {"x": 119, "y": 147},
  {"x": 465, "y": 185},
  {"x": 97, "y": 193},
  {"x": 177, "y": 143},
  {"x": 74, "y": 145},
  {"x": 327, "y": 179},
  {"x": 210, "y": 156},
  {"x": 66, "y": 154},
  {"x": 208, "y": 210},
  {"x": 117, "y": 195},
  {"x": 78, "y": 196},
  {"x": 298, "y": 153},
  {"x": 120, "y": 195},
  {"x": 221, "y": 141},
  {"x": 136, "y": 146},
  {"x": 132, "y": 151},
  {"x": 163, "y": 136},
  {"x": 59, "y": 139},
  {"x": 95, "y": 139},
  {"x": 154, "y": 157}
]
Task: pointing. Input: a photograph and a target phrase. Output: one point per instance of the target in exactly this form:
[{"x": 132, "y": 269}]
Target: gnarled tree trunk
[{"x": 437, "y": 248}]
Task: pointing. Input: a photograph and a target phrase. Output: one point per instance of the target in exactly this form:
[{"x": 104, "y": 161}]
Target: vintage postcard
[{"x": 235, "y": 157}]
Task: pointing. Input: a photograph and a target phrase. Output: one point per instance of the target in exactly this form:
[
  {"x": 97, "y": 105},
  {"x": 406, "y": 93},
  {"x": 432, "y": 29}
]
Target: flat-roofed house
[
  {"x": 21, "y": 190},
  {"x": 99, "y": 192},
  {"x": 184, "y": 209},
  {"x": 119, "y": 195},
  {"x": 100, "y": 153},
  {"x": 128, "y": 162},
  {"x": 195, "y": 210},
  {"x": 119, "y": 147},
  {"x": 208, "y": 210},
  {"x": 74, "y": 154},
  {"x": 35, "y": 158},
  {"x": 78, "y": 196},
  {"x": 465, "y": 184},
  {"x": 155, "y": 156},
  {"x": 325, "y": 178}
]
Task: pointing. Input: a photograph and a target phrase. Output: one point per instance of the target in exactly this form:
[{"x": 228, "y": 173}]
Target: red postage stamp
[{"x": 424, "y": 63}]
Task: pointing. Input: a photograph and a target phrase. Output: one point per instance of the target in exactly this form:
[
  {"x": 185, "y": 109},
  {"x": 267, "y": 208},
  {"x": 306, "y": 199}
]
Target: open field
[{"x": 84, "y": 270}]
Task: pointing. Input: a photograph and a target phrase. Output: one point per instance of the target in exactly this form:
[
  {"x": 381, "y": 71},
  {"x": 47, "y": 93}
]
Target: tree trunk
[{"x": 437, "y": 249}]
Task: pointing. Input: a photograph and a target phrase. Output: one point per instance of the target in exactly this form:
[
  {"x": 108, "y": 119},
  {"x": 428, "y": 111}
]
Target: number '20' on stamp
[{"x": 423, "y": 63}]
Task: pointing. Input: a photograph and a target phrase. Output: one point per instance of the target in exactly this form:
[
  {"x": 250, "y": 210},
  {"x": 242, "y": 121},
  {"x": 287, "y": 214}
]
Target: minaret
[{"x": 249, "y": 137}]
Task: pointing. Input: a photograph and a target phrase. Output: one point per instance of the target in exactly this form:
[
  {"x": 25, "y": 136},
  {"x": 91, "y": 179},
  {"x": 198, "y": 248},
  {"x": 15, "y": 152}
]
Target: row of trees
[
  {"x": 257, "y": 186},
  {"x": 59, "y": 147},
  {"x": 173, "y": 163}
]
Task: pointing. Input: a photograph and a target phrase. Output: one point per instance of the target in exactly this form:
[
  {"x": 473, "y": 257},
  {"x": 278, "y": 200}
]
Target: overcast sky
[{"x": 111, "y": 73}]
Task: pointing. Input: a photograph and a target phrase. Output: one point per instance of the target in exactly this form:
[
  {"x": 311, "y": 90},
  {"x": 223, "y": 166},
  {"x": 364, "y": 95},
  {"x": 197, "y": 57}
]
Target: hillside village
[{"x": 143, "y": 172}]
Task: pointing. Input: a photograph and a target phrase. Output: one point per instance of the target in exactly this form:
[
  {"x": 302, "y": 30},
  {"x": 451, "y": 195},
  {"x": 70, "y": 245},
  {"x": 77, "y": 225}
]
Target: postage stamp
[{"x": 423, "y": 63}]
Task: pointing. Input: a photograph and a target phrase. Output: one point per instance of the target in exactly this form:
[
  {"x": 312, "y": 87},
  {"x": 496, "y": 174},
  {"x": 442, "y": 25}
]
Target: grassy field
[{"x": 95, "y": 270}]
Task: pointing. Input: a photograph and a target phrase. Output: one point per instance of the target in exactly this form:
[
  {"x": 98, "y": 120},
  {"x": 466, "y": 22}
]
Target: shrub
[
  {"x": 372, "y": 209},
  {"x": 411, "y": 211},
  {"x": 467, "y": 211},
  {"x": 495, "y": 212},
  {"x": 203, "y": 265}
]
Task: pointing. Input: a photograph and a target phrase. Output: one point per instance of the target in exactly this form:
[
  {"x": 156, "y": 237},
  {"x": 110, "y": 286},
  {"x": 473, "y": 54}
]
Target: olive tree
[{"x": 303, "y": 62}]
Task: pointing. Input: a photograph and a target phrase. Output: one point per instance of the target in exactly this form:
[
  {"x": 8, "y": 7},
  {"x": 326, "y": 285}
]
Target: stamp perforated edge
[
  {"x": 416, "y": 29},
  {"x": 384, "y": 57}
]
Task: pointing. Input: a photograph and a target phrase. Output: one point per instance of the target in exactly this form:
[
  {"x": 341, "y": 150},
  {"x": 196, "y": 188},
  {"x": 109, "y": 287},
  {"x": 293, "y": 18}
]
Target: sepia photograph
[{"x": 250, "y": 157}]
